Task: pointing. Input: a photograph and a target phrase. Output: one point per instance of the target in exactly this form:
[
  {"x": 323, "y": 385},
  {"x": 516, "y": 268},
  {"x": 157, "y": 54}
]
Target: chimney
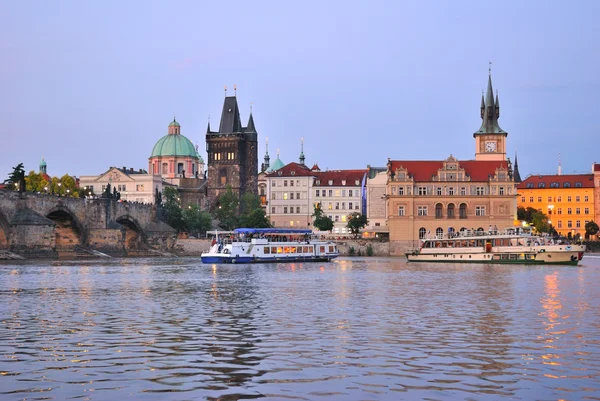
[
  {"x": 131, "y": 169},
  {"x": 124, "y": 169}
]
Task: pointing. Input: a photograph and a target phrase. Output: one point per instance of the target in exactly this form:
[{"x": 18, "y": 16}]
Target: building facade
[
  {"x": 340, "y": 193},
  {"x": 134, "y": 185},
  {"x": 232, "y": 154},
  {"x": 436, "y": 198},
  {"x": 289, "y": 196},
  {"x": 596, "y": 172},
  {"x": 376, "y": 203},
  {"x": 569, "y": 200}
]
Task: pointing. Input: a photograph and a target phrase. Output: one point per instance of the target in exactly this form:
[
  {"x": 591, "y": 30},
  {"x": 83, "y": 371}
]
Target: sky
[{"x": 88, "y": 85}]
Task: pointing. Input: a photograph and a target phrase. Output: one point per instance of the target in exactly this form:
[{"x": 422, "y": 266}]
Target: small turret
[
  {"x": 302, "y": 158},
  {"x": 174, "y": 128}
]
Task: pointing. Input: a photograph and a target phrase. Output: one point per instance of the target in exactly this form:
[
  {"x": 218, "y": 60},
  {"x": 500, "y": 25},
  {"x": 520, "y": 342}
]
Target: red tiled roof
[
  {"x": 586, "y": 180},
  {"x": 337, "y": 176},
  {"x": 315, "y": 167},
  {"x": 424, "y": 170},
  {"x": 292, "y": 170}
]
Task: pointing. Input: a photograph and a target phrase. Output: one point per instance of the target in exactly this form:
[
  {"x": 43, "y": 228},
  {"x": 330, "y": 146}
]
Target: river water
[{"x": 353, "y": 329}]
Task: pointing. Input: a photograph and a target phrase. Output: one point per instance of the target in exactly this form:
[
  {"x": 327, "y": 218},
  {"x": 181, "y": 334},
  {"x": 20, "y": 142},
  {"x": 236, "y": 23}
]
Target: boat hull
[
  {"x": 223, "y": 259},
  {"x": 554, "y": 258}
]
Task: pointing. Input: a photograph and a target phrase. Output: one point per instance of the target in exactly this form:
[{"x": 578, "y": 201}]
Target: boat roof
[{"x": 272, "y": 231}]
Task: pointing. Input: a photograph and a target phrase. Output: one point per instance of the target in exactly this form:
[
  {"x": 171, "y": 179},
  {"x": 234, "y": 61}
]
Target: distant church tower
[
  {"x": 43, "y": 166},
  {"x": 490, "y": 139},
  {"x": 232, "y": 153}
]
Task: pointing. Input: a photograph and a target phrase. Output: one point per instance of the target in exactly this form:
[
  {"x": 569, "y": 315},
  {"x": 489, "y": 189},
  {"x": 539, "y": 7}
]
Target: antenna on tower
[
  {"x": 225, "y": 90},
  {"x": 234, "y": 90},
  {"x": 490, "y": 68},
  {"x": 559, "y": 165}
]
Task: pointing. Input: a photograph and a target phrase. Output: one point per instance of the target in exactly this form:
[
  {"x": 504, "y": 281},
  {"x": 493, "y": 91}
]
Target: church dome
[
  {"x": 277, "y": 164},
  {"x": 174, "y": 145}
]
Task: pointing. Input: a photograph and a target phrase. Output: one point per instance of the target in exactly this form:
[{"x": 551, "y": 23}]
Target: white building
[{"x": 134, "y": 185}]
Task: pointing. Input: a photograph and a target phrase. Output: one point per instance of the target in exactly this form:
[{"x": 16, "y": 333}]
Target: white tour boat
[
  {"x": 269, "y": 245},
  {"x": 511, "y": 246}
]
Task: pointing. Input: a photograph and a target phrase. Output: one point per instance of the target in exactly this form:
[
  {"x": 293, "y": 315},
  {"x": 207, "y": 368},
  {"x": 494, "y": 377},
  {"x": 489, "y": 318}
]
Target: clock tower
[{"x": 490, "y": 139}]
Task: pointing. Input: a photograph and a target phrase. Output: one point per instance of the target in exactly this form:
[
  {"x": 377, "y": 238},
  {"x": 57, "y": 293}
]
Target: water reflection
[{"x": 362, "y": 328}]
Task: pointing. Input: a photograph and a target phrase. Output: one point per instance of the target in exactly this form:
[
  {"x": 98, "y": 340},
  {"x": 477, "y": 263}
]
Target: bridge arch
[
  {"x": 69, "y": 232},
  {"x": 3, "y": 231},
  {"x": 134, "y": 234}
]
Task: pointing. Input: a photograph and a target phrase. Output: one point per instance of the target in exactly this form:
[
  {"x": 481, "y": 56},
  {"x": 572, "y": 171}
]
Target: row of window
[
  {"x": 291, "y": 183},
  {"x": 578, "y": 184},
  {"x": 338, "y": 192},
  {"x": 338, "y": 205},
  {"x": 224, "y": 156},
  {"x": 559, "y": 224},
  {"x": 586, "y": 198},
  {"x": 286, "y": 195},
  {"x": 330, "y": 182},
  {"x": 586, "y": 210},
  {"x": 440, "y": 191},
  {"x": 288, "y": 209},
  {"x": 424, "y": 211},
  {"x": 180, "y": 169},
  {"x": 120, "y": 188},
  {"x": 439, "y": 232}
]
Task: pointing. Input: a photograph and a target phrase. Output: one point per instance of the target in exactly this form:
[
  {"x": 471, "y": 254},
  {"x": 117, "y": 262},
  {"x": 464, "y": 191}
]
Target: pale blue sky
[{"x": 93, "y": 84}]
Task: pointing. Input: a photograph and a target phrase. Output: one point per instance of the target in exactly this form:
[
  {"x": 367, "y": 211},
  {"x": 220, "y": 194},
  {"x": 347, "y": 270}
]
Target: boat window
[
  {"x": 322, "y": 249},
  {"x": 310, "y": 249},
  {"x": 279, "y": 249},
  {"x": 299, "y": 249},
  {"x": 267, "y": 250}
]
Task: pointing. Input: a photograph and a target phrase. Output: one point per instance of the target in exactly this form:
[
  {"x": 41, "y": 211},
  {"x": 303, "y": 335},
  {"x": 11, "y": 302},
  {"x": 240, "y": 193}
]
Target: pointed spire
[
  {"x": 267, "y": 162},
  {"x": 482, "y": 105},
  {"x": 516, "y": 174},
  {"x": 230, "y": 116},
  {"x": 208, "y": 127},
  {"x": 302, "y": 158},
  {"x": 490, "y": 112},
  {"x": 250, "y": 127}
]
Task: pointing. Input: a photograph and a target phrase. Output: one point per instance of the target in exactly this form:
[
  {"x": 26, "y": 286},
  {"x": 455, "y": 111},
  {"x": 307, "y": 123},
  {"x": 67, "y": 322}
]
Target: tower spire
[
  {"x": 267, "y": 162},
  {"x": 516, "y": 174},
  {"x": 302, "y": 158},
  {"x": 490, "y": 111}
]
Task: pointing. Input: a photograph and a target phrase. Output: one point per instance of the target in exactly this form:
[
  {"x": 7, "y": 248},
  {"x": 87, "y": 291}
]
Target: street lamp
[{"x": 68, "y": 191}]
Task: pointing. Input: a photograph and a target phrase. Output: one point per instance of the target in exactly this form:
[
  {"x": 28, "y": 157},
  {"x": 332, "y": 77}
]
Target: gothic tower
[
  {"x": 490, "y": 139},
  {"x": 232, "y": 154}
]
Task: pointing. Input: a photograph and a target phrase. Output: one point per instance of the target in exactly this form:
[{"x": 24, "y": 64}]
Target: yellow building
[{"x": 567, "y": 200}]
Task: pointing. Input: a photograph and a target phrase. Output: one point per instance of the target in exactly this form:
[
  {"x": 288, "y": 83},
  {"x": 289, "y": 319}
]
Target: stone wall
[
  {"x": 106, "y": 240},
  {"x": 360, "y": 245},
  {"x": 33, "y": 240},
  {"x": 192, "y": 247}
]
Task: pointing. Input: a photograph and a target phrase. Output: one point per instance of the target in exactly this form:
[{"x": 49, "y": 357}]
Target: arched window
[
  {"x": 179, "y": 168},
  {"x": 165, "y": 168},
  {"x": 438, "y": 210},
  {"x": 439, "y": 232},
  {"x": 223, "y": 176},
  {"x": 463, "y": 210},
  {"x": 262, "y": 191},
  {"x": 422, "y": 232},
  {"x": 451, "y": 210}
]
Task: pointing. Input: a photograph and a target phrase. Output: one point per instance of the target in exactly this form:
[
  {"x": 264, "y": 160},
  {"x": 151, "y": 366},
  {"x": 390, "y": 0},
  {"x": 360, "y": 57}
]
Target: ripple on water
[{"x": 355, "y": 329}]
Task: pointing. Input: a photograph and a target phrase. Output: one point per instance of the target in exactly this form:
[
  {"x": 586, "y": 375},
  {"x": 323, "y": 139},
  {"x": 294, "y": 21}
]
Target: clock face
[{"x": 490, "y": 146}]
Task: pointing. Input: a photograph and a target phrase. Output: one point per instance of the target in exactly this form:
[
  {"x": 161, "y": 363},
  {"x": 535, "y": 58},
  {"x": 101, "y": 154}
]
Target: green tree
[
  {"x": 172, "y": 209},
  {"x": 227, "y": 210},
  {"x": 321, "y": 222},
  {"x": 591, "y": 228},
  {"x": 535, "y": 218},
  {"x": 356, "y": 221},
  {"x": 253, "y": 214},
  {"x": 69, "y": 186},
  {"x": 196, "y": 220},
  {"x": 16, "y": 179},
  {"x": 35, "y": 182}
]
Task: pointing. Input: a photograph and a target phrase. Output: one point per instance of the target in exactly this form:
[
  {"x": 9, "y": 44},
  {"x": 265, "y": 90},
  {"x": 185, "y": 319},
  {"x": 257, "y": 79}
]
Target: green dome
[
  {"x": 277, "y": 164},
  {"x": 174, "y": 145},
  {"x": 174, "y": 123}
]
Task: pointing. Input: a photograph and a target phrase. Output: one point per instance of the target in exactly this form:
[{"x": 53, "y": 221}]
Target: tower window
[{"x": 223, "y": 176}]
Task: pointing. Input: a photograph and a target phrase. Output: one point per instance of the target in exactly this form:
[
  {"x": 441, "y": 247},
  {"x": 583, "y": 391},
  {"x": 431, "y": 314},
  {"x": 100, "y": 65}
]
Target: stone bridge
[{"x": 50, "y": 226}]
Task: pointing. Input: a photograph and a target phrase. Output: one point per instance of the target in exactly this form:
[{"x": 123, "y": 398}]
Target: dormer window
[
  {"x": 578, "y": 185},
  {"x": 542, "y": 185},
  {"x": 567, "y": 185},
  {"x": 530, "y": 185},
  {"x": 330, "y": 182},
  {"x": 357, "y": 182},
  {"x": 343, "y": 182},
  {"x": 318, "y": 182}
]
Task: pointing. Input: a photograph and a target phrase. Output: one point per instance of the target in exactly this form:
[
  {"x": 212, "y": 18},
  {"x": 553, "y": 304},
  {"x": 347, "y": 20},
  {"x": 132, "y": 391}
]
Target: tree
[
  {"x": 16, "y": 179},
  {"x": 253, "y": 214},
  {"x": 69, "y": 186},
  {"x": 196, "y": 220},
  {"x": 535, "y": 218},
  {"x": 172, "y": 208},
  {"x": 35, "y": 182},
  {"x": 321, "y": 222},
  {"x": 591, "y": 228},
  {"x": 356, "y": 221},
  {"x": 227, "y": 210}
]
